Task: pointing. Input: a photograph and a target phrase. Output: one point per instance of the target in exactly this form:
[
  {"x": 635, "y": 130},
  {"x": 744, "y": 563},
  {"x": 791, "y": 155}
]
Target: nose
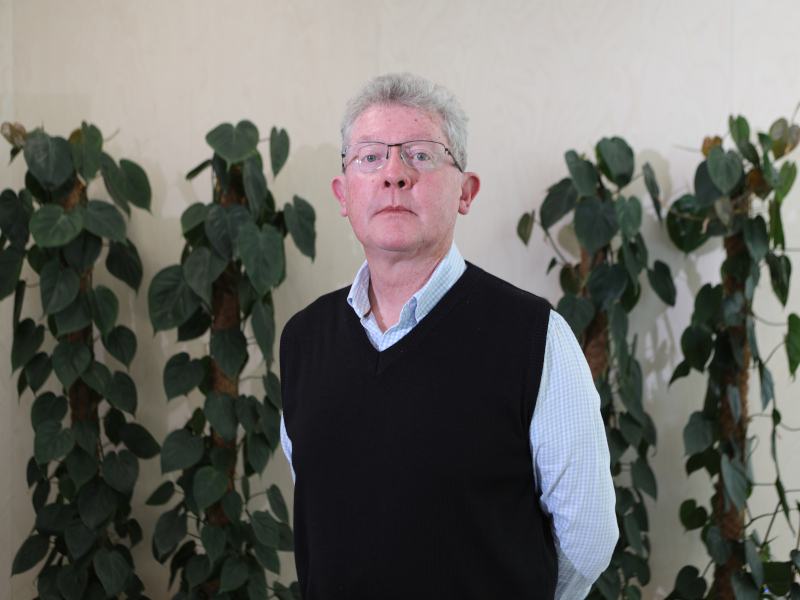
[{"x": 396, "y": 173}]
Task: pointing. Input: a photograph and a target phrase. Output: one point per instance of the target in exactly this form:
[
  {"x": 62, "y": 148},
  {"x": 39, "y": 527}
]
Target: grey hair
[{"x": 414, "y": 92}]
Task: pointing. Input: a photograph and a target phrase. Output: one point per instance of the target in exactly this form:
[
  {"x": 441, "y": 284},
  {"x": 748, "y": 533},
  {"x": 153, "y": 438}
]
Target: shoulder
[
  {"x": 500, "y": 291},
  {"x": 324, "y": 308}
]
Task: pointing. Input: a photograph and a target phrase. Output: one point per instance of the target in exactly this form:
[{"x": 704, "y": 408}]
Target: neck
[{"x": 393, "y": 280}]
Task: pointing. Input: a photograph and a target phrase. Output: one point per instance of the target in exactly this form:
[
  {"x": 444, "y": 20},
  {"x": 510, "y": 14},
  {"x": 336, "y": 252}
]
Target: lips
[{"x": 394, "y": 210}]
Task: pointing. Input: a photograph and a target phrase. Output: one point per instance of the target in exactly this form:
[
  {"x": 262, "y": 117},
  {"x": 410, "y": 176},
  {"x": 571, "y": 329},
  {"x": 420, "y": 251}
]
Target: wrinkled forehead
[{"x": 393, "y": 123}]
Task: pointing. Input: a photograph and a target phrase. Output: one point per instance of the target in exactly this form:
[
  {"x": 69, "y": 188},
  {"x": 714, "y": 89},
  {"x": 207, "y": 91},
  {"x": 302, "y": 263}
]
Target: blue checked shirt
[{"x": 568, "y": 440}]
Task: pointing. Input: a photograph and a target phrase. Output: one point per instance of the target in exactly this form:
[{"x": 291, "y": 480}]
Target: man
[{"x": 443, "y": 427}]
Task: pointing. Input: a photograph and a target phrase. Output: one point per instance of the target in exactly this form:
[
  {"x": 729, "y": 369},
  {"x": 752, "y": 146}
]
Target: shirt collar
[{"x": 446, "y": 273}]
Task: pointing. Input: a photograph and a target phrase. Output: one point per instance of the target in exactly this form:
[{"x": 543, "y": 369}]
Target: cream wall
[{"x": 536, "y": 78}]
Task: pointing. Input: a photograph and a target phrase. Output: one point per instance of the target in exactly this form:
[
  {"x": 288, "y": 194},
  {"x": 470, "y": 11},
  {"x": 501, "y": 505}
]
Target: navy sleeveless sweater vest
[{"x": 414, "y": 476}]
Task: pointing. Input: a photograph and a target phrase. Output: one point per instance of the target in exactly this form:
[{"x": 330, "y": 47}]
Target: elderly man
[{"x": 442, "y": 425}]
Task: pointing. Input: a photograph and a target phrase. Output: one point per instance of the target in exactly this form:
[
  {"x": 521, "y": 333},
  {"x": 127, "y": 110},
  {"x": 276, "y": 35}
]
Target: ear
[
  {"x": 470, "y": 185},
  {"x": 339, "y": 186}
]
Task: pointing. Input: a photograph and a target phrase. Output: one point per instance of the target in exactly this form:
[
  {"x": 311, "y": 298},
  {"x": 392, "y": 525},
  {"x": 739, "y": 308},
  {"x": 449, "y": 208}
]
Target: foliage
[
  {"x": 738, "y": 194},
  {"x": 232, "y": 260},
  {"x": 83, "y": 473},
  {"x": 599, "y": 292}
]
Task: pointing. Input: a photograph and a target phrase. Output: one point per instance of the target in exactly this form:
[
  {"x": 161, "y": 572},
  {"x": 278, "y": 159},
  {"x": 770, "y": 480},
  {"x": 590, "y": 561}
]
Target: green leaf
[
  {"x": 767, "y": 385},
  {"x": 267, "y": 558},
  {"x": 70, "y": 360},
  {"x": 525, "y": 226},
  {"x": 696, "y": 344},
  {"x": 170, "y": 300},
  {"x": 234, "y": 574},
  {"x": 779, "y": 577},
  {"x": 583, "y": 174},
  {"x": 51, "y": 226},
  {"x": 193, "y": 216},
  {"x": 213, "y": 539},
  {"x": 661, "y": 281},
  {"x": 262, "y": 255},
  {"x": 170, "y": 530},
  {"x": 560, "y": 200},
  {"x": 86, "y": 434},
  {"x": 87, "y": 148},
  {"x": 28, "y": 337},
  {"x": 629, "y": 215},
  {"x": 123, "y": 262},
  {"x": 112, "y": 570},
  {"x": 221, "y": 414},
  {"x": 266, "y": 528},
  {"x": 197, "y": 570},
  {"x": 121, "y": 344},
  {"x": 97, "y": 377},
  {"x": 121, "y": 393},
  {"x": 48, "y": 407},
  {"x": 633, "y": 534},
  {"x": 615, "y": 159},
  {"x": 72, "y": 580},
  {"x": 300, "y": 219},
  {"x": 793, "y": 343},
  {"x": 277, "y": 503},
  {"x": 725, "y": 169},
  {"x": 786, "y": 177},
  {"x": 643, "y": 477},
  {"x": 263, "y": 321},
  {"x": 780, "y": 271},
  {"x": 210, "y": 484},
  {"x": 15, "y": 216},
  {"x": 195, "y": 326},
  {"x": 234, "y": 144},
  {"x": 222, "y": 226},
  {"x": 754, "y": 561},
  {"x": 200, "y": 269},
  {"x": 693, "y": 516},
  {"x": 229, "y": 350},
  {"x": 743, "y": 587},
  {"x": 606, "y": 284},
  {"x": 81, "y": 466},
  {"x": 104, "y": 220},
  {"x": 49, "y": 158},
  {"x": 689, "y": 584},
  {"x": 33, "y": 550},
  {"x": 278, "y": 149},
  {"x": 181, "y": 450},
  {"x": 38, "y": 370},
  {"x": 577, "y": 311},
  {"x": 182, "y": 375},
  {"x": 105, "y": 308},
  {"x": 139, "y": 441},
  {"x": 11, "y": 260},
  {"x": 257, "y": 452},
  {"x": 255, "y": 186},
  {"x": 75, "y": 317},
  {"x": 79, "y": 539},
  {"x": 120, "y": 470},
  {"x": 96, "y": 503},
  {"x": 756, "y": 237},
  {"x": 595, "y": 223},
  {"x": 698, "y": 434},
  {"x": 198, "y": 169},
  {"x": 164, "y": 492},
  {"x": 127, "y": 183},
  {"x": 734, "y": 477},
  {"x": 685, "y": 223}
]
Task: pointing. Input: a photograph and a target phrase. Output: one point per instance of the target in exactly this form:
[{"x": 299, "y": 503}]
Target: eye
[
  {"x": 421, "y": 156},
  {"x": 369, "y": 158}
]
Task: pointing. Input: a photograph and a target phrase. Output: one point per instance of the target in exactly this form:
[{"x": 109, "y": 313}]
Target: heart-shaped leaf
[
  {"x": 51, "y": 226},
  {"x": 262, "y": 254},
  {"x": 278, "y": 149},
  {"x": 234, "y": 144},
  {"x": 49, "y": 158}
]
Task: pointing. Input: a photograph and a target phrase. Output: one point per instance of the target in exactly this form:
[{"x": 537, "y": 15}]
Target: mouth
[{"x": 394, "y": 210}]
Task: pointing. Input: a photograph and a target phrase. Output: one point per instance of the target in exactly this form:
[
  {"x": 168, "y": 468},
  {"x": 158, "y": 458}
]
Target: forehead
[{"x": 393, "y": 123}]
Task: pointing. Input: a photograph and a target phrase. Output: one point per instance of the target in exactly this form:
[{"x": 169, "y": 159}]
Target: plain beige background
[{"x": 536, "y": 78}]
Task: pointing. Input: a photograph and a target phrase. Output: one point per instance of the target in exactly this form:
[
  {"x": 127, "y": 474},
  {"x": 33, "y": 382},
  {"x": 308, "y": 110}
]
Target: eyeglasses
[{"x": 422, "y": 155}]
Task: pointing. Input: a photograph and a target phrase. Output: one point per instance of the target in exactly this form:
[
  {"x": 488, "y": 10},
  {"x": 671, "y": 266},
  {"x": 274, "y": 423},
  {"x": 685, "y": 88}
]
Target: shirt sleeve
[
  {"x": 286, "y": 444},
  {"x": 571, "y": 463}
]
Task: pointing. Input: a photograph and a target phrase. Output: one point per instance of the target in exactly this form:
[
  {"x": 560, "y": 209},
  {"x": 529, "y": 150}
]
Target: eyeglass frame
[{"x": 388, "y": 150}]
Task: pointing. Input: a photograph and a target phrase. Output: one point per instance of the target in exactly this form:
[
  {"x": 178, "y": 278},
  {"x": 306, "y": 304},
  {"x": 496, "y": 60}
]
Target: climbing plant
[
  {"x": 83, "y": 471},
  {"x": 222, "y": 289},
  {"x": 599, "y": 291},
  {"x": 738, "y": 197}
]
